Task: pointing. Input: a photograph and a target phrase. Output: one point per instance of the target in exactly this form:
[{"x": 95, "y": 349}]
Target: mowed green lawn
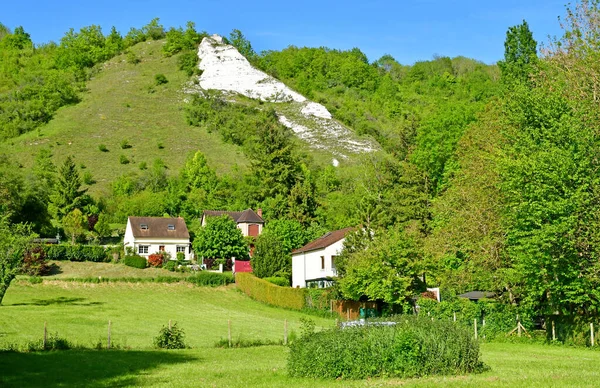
[{"x": 80, "y": 312}]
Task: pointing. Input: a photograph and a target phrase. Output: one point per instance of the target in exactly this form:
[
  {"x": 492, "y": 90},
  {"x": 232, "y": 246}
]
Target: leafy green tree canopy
[{"x": 220, "y": 238}]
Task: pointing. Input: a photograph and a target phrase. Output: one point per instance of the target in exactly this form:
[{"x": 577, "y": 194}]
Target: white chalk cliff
[{"x": 225, "y": 69}]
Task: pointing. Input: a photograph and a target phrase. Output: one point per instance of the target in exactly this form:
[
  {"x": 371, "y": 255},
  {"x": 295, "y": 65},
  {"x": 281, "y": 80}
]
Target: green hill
[{"x": 123, "y": 102}]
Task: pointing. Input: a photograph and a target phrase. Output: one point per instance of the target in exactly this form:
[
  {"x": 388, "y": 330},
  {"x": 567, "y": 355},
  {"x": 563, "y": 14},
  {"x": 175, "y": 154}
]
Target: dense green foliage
[
  {"x": 220, "y": 238},
  {"x": 77, "y": 252},
  {"x": 170, "y": 337},
  {"x": 14, "y": 241},
  {"x": 135, "y": 261},
  {"x": 409, "y": 348},
  {"x": 267, "y": 292},
  {"x": 213, "y": 279}
]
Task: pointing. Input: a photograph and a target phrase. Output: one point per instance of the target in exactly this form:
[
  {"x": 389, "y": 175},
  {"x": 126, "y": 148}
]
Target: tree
[
  {"x": 198, "y": 174},
  {"x": 220, "y": 238},
  {"x": 14, "y": 241},
  {"x": 243, "y": 45},
  {"x": 520, "y": 54},
  {"x": 68, "y": 194},
  {"x": 387, "y": 270},
  {"x": 270, "y": 258},
  {"x": 74, "y": 224}
]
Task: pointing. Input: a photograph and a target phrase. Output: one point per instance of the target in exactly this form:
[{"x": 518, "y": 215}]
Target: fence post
[
  {"x": 285, "y": 332},
  {"x": 455, "y": 316},
  {"x": 553, "y": 331},
  {"x": 348, "y": 312},
  {"x": 229, "y": 331},
  {"x": 108, "y": 342},
  {"x": 518, "y": 325},
  {"x": 331, "y": 306},
  {"x": 169, "y": 325},
  {"x": 475, "y": 326},
  {"x": 592, "y": 333},
  {"x": 45, "y": 335}
]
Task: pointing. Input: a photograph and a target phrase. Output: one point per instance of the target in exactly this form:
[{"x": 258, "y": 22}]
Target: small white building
[
  {"x": 148, "y": 235},
  {"x": 313, "y": 265},
  {"x": 248, "y": 221}
]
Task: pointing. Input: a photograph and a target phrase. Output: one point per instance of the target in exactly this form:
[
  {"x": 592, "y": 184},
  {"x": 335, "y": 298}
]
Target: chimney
[{"x": 259, "y": 212}]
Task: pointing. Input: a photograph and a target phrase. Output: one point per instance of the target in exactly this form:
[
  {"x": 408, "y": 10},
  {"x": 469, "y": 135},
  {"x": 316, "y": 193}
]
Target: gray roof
[
  {"x": 159, "y": 227},
  {"x": 248, "y": 216},
  {"x": 324, "y": 241}
]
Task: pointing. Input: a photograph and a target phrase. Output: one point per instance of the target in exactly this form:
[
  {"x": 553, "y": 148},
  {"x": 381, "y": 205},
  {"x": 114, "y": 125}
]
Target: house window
[
  {"x": 181, "y": 248},
  {"x": 143, "y": 249},
  {"x": 161, "y": 248},
  {"x": 322, "y": 263},
  {"x": 333, "y": 259},
  {"x": 253, "y": 230},
  {"x": 171, "y": 227},
  {"x": 144, "y": 226}
]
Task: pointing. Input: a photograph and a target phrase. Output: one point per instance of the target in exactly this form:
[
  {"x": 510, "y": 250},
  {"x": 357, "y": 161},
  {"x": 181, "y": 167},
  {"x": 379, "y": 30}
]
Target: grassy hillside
[{"x": 122, "y": 102}]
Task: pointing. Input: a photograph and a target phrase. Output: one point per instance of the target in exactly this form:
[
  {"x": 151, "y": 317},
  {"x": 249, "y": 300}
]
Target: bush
[
  {"x": 34, "y": 262},
  {"x": 412, "y": 347},
  {"x": 282, "y": 282},
  {"x": 160, "y": 79},
  {"x": 171, "y": 265},
  {"x": 212, "y": 279},
  {"x": 125, "y": 144},
  {"x": 135, "y": 261},
  {"x": 102, "y": 148},
  {"x": 143, "y": 166},
  {"x": 132, "y": 58},
  {"x": 155, "y": 260},
  {"x": 94, "y": 253},
  {"x": 263, "y": 291},
  {"x": 88, "y": 179},
  {"x": 123, "y": 159},
  {"x": 170, "y": 338},
  {"x": 188, "y": 62}
]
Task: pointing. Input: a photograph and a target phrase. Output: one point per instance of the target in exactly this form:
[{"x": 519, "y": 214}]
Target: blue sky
[{"x": 409, "y": 30}]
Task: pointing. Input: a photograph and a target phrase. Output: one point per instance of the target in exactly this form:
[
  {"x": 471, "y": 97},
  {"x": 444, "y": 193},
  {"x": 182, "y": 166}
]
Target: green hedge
[
  {"x": 282, "y": 282},
  {"x": 412, "y": 347},
  {"x": 263, "y": 291},
  {"x": 211, "y": 279},
  {"x": 93, "y": 253},
  {"x": 135, "y": 261}
]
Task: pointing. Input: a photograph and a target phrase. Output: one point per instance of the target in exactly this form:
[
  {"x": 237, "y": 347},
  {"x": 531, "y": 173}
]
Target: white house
[
  {"x": 148, "y": 235},
  {"x": 314, "y": 264},
  {"x": 248, "y": 221}
]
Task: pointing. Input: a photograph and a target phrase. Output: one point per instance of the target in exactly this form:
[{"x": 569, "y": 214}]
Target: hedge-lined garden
[
  {"x": 266, "y": 292},
  {"x": 95, "y": 253},
  {"x": 413, "y": 346}
]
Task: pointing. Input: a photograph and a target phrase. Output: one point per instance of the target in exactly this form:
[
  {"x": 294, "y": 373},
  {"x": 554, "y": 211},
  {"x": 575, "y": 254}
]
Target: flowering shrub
[{"x": 156, "y": 260}]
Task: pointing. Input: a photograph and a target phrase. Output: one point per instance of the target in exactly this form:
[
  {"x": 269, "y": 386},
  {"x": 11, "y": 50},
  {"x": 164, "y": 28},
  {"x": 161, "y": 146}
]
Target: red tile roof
[{"x": 324, "y": 241}]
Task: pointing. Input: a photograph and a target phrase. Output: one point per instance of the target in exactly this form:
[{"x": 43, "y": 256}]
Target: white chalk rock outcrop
[{"x": 225, "y": 69}]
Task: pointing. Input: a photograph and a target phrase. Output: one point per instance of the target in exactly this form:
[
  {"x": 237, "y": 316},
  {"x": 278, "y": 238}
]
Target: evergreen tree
[
  {"x": 520, "y": 54},
  {"x": 68, "y": 194}
]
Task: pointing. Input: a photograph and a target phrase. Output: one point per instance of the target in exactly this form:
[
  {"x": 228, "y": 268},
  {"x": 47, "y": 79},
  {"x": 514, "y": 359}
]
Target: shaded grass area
[
  {"x": 80, "y": 312},
  {"x": 512, "y": 365},
  {"x": 121, "y": 103}
]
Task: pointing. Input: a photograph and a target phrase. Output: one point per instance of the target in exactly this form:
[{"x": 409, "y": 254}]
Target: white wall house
[
  {"x": 148, "y": 235},
  {"x": 248, "y": 221},
  {"x": 314, "y": 263}
]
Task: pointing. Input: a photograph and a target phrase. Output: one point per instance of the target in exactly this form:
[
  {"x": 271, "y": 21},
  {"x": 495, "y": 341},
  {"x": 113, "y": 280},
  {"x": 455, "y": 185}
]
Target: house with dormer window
[{"x": 148, "y": 235}]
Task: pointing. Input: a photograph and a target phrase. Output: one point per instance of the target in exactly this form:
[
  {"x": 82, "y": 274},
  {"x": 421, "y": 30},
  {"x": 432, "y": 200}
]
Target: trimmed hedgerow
[
  {"x": 263, "y": 291},
  {"x": 135, "y": 261},
  {"x": 211, "y": 279},
  {"x": 93, "y": 253},
  {"x": 412, "y": 347},
  {"x": 278, "y": 281}
]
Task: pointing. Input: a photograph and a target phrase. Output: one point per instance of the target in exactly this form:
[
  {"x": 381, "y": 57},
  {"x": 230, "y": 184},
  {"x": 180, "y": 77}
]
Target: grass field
[
  {"x": 70, "y": 269},
  {"x": 80, "y": 312}
]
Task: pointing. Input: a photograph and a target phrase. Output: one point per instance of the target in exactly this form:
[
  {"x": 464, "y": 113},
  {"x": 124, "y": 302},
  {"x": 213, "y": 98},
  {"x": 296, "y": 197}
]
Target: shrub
[
  {"x": 188, "y": 62},
  {"x": 180, "y": 257},
  {"x": 135, "y": 261},
  {"x": 160, "y": 145},
  {"x": 171, "y": 265},
  {"x": 132, "y": 58},
  {"x": 282, "y": 282},
  {"x": 34, "y": 262},
  {"x": 155, "y": 260},
  {"x": 123, "y": 159},
  {"x": 246, "y": 343},
  {"x": 263, "y": 291},
  {"x": 160, "y": 79},
  {"x": 94, "y": 253},
  {"x": 143, "y": 166},
  {"x": 88, "y": 179},
  {"x": 125, "y": 144},
  {"x": 55, "y": 252},
  {"x": 212, "y": 279},
  {"x": 412, "y": 347},
  {"x": 170, "y": 338}
]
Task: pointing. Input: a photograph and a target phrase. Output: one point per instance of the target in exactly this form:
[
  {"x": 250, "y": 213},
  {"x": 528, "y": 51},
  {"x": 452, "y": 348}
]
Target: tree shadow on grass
[
  {"x": 57, "y": 301},
  {"x": 89, "y": 368}
]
